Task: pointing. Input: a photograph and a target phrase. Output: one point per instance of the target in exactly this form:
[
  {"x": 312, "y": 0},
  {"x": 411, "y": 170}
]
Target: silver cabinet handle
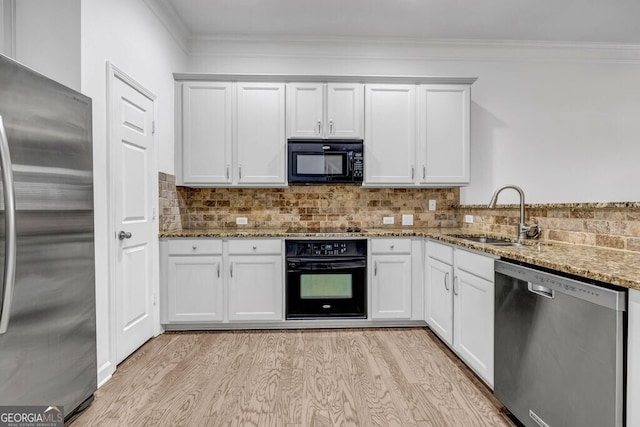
[
  {"x": 227, "y": 171},
  {"x": 124, "y": 235},
  {"x": 255, "y": 247},
  {"x": 424, "y": 172},
  {"x": 240, "y": 171},
  {"x": 194, "y": 247},
  {"x": 330, "y": 127},
  {"x": 392, "y": 246},
  {"x": 375, "y": 268},
  {"x": 231, "y": 269},
  {"x": 456, "y": 285},
  {"x": 318, "y": 126},
  {"x": 8, "y": 188},
  {"x": 413, "y": 172},
  {"x": 446, "y": 281},
  {"x": 218, "y": 269}
]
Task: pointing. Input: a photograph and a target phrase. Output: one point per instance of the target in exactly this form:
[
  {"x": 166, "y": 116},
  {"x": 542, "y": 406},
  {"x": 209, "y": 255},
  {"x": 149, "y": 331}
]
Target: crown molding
[
  {"x": 168, "y": 16},
  {"x": 412, "y": 49},
  {"x": 305, "y": 78}
]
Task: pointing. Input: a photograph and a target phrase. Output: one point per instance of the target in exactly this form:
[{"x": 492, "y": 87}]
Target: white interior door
[{"x": 132, "y": 149}]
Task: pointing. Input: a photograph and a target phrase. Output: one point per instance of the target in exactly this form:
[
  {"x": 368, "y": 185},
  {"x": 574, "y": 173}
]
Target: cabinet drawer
[
  {"x": 479, "y": 265},
  {"x": 440, "y": 252},
  {"x": 195, "y": 247},
  {"x": 255, "y": 246},
  {"x": 391, "y": 246}
]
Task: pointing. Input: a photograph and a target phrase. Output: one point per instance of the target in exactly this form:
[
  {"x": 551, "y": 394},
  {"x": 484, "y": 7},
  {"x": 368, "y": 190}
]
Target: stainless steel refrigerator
[{"x": 47, "y": 293}]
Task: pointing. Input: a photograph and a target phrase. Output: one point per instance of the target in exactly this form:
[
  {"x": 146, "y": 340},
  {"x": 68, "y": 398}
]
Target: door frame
[{"x": 113, "y": 182}]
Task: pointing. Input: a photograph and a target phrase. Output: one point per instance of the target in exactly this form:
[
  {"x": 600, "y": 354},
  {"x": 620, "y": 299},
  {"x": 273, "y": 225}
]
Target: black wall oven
[
  {"x": 325, "y": 161},
  {"x": 326, "y": 279}
]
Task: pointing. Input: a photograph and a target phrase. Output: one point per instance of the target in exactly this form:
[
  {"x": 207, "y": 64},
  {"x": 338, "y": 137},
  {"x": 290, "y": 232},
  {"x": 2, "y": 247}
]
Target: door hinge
[{"x": 153, "y": 127}]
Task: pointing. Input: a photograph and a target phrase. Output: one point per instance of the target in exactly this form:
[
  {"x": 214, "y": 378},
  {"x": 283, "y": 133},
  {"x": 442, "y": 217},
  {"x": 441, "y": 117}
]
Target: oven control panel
[{"x": 326, "y": 248}]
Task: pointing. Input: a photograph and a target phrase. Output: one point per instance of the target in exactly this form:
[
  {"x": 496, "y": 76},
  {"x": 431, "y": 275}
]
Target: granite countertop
[{"x": 613, "y": 266}]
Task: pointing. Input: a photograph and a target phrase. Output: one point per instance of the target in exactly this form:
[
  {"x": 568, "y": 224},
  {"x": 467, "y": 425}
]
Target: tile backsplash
[
  {"x": 611, "y": 225},
  {"x": 307, "y": 207}
]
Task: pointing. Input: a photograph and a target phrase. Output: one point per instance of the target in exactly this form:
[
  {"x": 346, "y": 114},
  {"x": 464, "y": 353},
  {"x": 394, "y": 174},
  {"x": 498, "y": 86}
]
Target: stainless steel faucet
[{"x": 524, "y": 231}]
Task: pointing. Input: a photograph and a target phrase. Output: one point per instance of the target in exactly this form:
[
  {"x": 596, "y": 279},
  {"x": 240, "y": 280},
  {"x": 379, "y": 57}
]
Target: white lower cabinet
[
  {"x": 193, "y": 282},
  {"x": 255, "y": 287},
  {"x": 194, "y": 288},
  {"x": 459, "y": 304},
  {"x": 208, "y": 280},
  {"x": 438, "y": 307},
  {"x": 391, "y": 284},
  {"x": 473, "y": 321},
  {"x": 255, "y": 279}
]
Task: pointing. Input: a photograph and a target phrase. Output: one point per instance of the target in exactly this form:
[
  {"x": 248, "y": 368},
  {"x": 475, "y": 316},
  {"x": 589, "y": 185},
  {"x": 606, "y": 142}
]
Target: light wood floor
[{"x": 357, "y": 377}]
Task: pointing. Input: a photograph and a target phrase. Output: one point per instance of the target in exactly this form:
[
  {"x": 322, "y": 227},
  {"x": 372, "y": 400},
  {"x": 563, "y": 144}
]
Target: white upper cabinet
[
  {"x": 233, "y": 134},
  {"x": 416, "y": 131},
  {"x": 443, "y": 134},
  {"x": 261, "y": 141},
  {"x": 305, "y": 105},
  {"x": 325, "y": 110},
  {"x": 390, "y": 134},
  {"x": 417, "y": 143},
  {"x": 206, "y": 132},
  {"x": 345, "y": 110}
]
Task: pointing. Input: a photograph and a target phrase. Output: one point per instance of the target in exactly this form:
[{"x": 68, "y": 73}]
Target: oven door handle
[
  {"x": 325, "y": 260},
  {"x": 325, "y": 265}
]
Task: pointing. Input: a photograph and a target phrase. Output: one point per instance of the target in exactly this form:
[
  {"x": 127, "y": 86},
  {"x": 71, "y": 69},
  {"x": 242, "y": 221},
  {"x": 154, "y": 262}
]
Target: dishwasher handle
[{"x": 541, "y": 290}]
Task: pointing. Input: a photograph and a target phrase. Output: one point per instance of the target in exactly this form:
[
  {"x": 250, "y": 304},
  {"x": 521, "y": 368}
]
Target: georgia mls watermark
[{"x": 31, "y": 416}]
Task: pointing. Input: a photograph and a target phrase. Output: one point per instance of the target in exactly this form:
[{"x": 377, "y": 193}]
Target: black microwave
[{"x": 334, "y": 161}]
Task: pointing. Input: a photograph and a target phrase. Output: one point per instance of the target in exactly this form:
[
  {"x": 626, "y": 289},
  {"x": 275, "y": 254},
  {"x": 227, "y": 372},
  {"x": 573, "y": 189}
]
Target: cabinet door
[
  {"x": 206, "y": 132},
  {"x": 473, "y": 304},
  {"x": 439, "y": 304},
  {"x": 443, "y": 137},
  {"x": 194, "y": 289},
  {"x": 390, "y": 134},
  {"x": 391, "y": 287},
  {"x": 261, "y": 141},
  {"x": 345, "y": 110},
  {"x": 305, "y": 113},
  {"x": 255, "y": 287}
]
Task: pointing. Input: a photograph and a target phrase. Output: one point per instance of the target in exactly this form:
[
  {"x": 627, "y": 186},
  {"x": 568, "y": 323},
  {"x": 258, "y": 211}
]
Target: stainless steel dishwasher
[{"x": 559, "y": 348}]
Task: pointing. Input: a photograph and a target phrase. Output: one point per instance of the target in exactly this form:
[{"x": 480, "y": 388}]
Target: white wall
[
  {"x": 127, "y": 34},
  {"x": 560, "y": 121},
  {"x": 47, "y": 38},
  {"x": 7, "y": 27}
]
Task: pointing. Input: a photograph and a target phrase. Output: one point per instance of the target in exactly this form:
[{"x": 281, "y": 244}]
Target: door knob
[{"x": 124, "y": 235}]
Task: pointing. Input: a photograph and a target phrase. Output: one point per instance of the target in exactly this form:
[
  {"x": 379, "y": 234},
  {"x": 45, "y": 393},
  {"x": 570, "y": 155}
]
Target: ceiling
[{"x": 559, "y": 21}]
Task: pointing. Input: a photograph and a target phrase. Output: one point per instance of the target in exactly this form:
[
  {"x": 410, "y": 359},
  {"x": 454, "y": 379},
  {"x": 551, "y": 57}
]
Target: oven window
[
  {"x": 319, "y": 164},
  {"x": 326, "y": 286}
]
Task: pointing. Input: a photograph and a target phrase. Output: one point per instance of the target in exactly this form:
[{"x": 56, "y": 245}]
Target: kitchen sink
[{"x": 487, "y": 240}]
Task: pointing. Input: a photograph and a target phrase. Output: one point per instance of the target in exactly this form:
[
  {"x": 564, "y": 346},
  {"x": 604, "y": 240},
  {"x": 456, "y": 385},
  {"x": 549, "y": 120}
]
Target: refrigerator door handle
[{"x": 10, "y": 229}]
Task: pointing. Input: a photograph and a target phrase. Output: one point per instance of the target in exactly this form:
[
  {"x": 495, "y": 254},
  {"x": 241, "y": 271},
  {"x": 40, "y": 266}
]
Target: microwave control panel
[{"x": 358, "y": 165}]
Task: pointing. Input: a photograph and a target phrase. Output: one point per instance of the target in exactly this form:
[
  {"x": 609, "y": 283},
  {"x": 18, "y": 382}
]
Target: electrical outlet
[
  {"x": 468, "y": 219},
  {"x": 432, "y": 205},
  {"x": 407, "y": 219},
  {"x": 241, "y": 220},
  {"x": 387, "y": 220}
]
